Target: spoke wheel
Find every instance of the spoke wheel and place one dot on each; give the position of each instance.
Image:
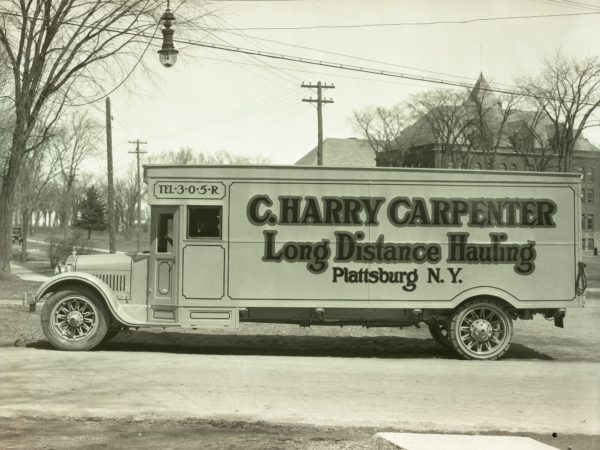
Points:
(480, 329)
(111, 333)
(74, 319)
(440, 331)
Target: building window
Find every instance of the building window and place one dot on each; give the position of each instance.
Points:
(590, 222)
(583, 244)
(477, 166)
(503, 167)
(581, 170)
(590, 244)
(589, 196)
(589, 175)
(513, 167)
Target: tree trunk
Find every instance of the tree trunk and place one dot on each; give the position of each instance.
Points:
(25, 219)
(5, 229)
(89, 233)
(36, 226)
(7, 195)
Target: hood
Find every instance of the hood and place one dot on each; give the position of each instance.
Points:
(115, 262)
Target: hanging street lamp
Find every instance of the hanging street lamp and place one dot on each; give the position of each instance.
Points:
(168, 53)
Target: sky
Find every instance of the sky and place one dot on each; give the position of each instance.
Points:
(215, 100)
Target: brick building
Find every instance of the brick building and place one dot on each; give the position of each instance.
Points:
(418, 148)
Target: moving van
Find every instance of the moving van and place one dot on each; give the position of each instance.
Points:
(464, 252)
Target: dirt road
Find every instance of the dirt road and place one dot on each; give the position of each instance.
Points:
(533, 396)
(328, 388)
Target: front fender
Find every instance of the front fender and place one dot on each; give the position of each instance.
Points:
(102, 289)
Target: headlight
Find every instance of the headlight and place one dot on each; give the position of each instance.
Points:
(62, 268)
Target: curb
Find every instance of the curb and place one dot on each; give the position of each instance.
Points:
(425, 441)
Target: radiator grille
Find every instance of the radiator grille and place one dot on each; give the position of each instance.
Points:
(115, 282)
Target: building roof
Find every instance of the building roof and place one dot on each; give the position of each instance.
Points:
(342, 152)
(480, 89)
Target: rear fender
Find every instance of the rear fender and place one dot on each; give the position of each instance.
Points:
(74, 279)
(486, 291)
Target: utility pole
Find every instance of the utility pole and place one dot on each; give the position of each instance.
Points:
(112, 246)
(137, 152)
(319, 101)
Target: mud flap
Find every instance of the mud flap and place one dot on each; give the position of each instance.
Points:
(559, 320)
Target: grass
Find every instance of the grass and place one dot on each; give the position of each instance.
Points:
(98, 239)
(37, 255)
(13, 287)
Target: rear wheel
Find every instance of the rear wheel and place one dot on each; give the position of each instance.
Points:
(480, 329)
(75, 319)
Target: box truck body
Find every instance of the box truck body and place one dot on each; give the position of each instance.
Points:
(464, 251)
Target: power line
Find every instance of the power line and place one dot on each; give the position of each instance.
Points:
(275, 71)
(368, 70)
(333, 65)
(345, 55)
(574, 4)
(405, 24)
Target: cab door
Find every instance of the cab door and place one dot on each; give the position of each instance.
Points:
(162, 279)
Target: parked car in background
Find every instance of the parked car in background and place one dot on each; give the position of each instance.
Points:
(17, 235)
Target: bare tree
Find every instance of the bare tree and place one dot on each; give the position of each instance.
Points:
(442, 119)
(39, 169)
(382, 128)
(568, 91)
(52, 47)
(529, 138)
(77, 140)
(187, 155)
(488, 117)
(126, 199)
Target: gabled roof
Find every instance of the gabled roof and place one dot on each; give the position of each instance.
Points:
(342, 152)
(480, 89)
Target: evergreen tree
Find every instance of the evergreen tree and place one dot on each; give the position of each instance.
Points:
(91, 212)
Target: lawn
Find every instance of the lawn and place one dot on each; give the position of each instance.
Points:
(98, 240)
(13, 288)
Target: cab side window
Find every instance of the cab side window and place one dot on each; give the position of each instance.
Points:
(164, 232)
(204, 221)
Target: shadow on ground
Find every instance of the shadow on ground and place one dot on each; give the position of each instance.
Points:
(314, 346)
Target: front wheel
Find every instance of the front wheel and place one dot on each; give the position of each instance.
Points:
(75, 319)
(480, 329)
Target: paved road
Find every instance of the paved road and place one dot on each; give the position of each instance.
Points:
(412, 394)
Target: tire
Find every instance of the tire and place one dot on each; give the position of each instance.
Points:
(75, 319)
(111, 333)
(439, 332)
(480, 329)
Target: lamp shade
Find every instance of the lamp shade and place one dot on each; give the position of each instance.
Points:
(168, 57)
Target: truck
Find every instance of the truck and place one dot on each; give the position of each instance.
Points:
(464, 252)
